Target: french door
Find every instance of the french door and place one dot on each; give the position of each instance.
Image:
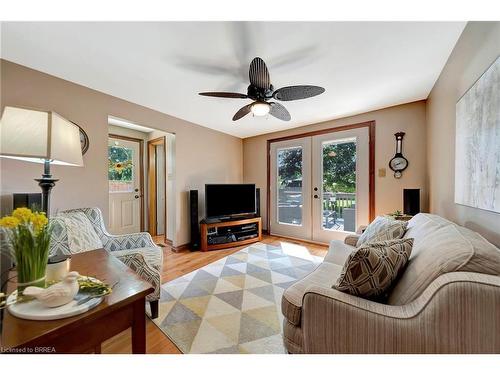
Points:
(320, 185)
(291, 188)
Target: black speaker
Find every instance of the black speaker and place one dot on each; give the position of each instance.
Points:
(411, 201)
(194, 220)
(29, 200)
(257, 202)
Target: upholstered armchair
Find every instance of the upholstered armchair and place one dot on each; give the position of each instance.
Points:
(137, 250)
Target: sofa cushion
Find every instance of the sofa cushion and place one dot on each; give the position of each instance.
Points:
(422, 224)
(371, 269)
(338, 252)
(382, 229)
(446, 248)
(291, 303)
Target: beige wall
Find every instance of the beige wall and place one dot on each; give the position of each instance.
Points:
(202, 155)
(476, 49)
(409, 118)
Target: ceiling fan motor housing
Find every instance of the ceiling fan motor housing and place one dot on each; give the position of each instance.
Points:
(260, 94)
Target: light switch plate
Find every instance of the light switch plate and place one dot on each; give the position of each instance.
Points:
(381, 172)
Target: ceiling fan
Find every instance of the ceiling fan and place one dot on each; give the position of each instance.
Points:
(261, 91)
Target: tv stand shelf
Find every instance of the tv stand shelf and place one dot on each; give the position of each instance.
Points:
(230, 233)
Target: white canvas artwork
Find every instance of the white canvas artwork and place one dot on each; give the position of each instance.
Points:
(477, 145)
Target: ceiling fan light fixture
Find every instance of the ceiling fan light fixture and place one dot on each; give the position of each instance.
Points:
(260, 108)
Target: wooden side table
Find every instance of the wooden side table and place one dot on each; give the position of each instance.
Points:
(124, 308)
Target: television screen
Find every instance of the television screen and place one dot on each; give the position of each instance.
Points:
(229, 199)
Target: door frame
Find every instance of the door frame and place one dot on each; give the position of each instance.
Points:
(371, 162)
(141, 170)
(152, 196)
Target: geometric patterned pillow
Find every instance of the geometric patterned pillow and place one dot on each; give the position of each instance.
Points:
(370, 270)
(81, 234)
(382, 228)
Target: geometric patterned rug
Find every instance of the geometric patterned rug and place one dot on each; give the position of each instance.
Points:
(234, 304)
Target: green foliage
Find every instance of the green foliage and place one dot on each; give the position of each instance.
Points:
(290, 167)
(339, 167)
(120, 167)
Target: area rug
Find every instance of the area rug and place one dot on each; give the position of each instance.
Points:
(234, 304)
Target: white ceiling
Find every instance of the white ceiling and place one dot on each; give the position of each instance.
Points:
(163, 65)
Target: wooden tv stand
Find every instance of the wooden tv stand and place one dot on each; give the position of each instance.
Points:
(249, 230)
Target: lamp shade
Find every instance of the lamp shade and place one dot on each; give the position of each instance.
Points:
(35, 135)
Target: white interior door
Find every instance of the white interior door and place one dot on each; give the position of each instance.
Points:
(124, 186)
(291, 188)
(340, 183)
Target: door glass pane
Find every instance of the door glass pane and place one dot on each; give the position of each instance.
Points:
(120, 169)
(289, 185)
(339, 185)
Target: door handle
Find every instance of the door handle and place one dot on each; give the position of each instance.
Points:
(136, 190)
(315, 189)
(136, 197)
(316, 196)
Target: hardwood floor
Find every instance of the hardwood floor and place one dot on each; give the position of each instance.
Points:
(174, 266)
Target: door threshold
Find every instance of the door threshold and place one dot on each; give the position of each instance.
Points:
(300, 239)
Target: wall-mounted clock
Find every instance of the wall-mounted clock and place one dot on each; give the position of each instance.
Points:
(84, 139)
(398, 163)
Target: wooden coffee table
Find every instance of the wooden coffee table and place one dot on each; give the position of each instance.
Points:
(123, 308)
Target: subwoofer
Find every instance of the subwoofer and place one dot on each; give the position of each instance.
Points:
(411, 201)
(194, 220)
(257, 202)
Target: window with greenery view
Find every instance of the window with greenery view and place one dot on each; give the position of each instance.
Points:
(339, 167)
(120, 169)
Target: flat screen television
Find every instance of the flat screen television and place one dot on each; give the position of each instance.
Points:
(227, 200)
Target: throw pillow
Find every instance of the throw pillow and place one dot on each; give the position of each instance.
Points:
(382, 229)
(81, 233)
(370, 270)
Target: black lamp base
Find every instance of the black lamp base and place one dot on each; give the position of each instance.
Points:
(46, 183)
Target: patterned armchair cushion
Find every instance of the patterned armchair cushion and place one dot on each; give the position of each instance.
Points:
(146, 262)
(81, 234)
(115, 242)
(59, 239)
(137, 250)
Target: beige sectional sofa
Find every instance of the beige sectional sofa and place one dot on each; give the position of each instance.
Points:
(446, 301)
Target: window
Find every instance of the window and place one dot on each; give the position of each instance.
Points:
(120, 169)
(290, 186)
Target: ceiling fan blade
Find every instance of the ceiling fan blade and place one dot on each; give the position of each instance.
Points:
(233, 95)
(242, 112)
(258, 74)
(279, 111)
(297, 92)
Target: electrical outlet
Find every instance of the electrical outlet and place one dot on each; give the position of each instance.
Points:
(381, 172)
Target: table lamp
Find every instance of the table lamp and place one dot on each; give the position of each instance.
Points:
(40, 137)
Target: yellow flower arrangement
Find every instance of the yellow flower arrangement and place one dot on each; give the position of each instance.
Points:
(39, 221)
(9, 222)
(27, 236)
(23, 214)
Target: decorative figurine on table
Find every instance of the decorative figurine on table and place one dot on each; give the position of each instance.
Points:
(58, 294)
